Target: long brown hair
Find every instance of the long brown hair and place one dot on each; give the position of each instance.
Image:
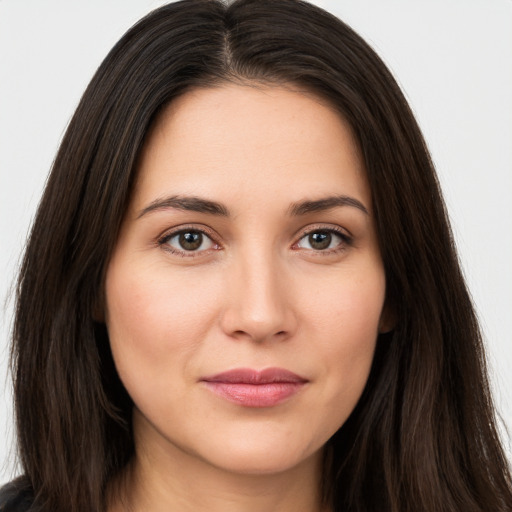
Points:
(423, 435)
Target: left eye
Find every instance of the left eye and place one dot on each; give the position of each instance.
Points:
(189, 241)
(321, 240)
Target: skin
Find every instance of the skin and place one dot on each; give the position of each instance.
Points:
(256, 294)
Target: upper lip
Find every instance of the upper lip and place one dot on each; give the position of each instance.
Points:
(251, 376)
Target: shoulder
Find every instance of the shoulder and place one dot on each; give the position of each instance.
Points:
(16, 496)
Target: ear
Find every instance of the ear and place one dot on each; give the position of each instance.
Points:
(388, 318)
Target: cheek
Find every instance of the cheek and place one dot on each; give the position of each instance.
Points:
(347, 308)
(155, 324)
(346, 322)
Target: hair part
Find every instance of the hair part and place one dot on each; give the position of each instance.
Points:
(423, 435)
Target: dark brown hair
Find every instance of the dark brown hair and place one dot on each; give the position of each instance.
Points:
(423, 435)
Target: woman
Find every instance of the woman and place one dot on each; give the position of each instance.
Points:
(240, 289)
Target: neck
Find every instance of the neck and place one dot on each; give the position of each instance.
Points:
(179, 482)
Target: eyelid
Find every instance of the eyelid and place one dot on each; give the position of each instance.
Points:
(344, 234)
(176, 230)
(334, 228)
(161, 239)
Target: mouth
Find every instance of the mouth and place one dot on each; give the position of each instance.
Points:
(255, 388)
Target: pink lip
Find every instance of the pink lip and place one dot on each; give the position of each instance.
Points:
(253, 388)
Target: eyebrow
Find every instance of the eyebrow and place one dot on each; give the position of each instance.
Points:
(327, 203)
(200, 205)
(187, 203)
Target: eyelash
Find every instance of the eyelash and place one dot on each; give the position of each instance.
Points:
(346, 241)
(164, 242)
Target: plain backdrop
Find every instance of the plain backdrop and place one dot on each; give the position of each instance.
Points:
(453, 59)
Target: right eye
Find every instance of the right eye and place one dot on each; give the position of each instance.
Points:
(187, 242)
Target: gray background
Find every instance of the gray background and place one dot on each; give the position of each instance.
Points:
(453, 59)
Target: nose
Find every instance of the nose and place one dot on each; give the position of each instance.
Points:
(258, 303)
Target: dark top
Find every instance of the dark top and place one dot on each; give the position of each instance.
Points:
(16, 496)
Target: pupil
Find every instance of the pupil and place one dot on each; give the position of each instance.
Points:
(320, 240)
(191, 240)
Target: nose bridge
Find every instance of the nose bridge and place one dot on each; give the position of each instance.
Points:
(257, 305)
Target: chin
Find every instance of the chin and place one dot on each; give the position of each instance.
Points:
(250, 457)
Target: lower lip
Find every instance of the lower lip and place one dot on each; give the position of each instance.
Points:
(255, 395)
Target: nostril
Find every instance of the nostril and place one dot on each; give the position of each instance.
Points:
(258, 336)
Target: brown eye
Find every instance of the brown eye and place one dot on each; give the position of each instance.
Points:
(188, 241)
(191, 240)
(320, 240)
(323, 239)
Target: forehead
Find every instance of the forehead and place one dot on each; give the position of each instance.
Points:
(250, 141)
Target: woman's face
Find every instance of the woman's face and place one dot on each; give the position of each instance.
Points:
(246, 290)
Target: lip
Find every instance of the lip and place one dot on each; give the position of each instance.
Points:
(255, 388)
